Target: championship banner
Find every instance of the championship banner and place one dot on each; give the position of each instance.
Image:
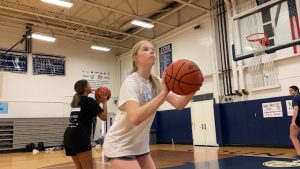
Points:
(165, 57)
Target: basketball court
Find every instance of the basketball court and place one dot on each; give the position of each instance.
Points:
(169, 157)
(247, 50)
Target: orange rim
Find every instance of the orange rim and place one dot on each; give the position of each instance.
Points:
(263, 41)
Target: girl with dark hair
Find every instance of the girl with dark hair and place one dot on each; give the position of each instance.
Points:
(295, 124)
(78, 133)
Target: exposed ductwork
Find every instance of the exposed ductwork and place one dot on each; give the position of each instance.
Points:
(103, 22)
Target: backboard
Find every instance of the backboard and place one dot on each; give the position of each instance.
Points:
(277, 19)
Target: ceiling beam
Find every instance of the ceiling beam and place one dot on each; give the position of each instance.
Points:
(125, 13)
(70, 21)
(54, 28)
(72, 38)
(192, 5)
(107, 16)
(161, 17)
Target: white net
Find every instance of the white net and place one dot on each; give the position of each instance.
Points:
(259, 20)
(262, 69)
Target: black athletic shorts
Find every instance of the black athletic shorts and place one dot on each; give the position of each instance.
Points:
(76, 144)
(130, 157)
(297, 121)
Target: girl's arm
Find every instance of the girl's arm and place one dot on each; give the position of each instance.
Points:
(295, 114)
(137, 114)
(103, 115)
(179, 102)
(103, 99)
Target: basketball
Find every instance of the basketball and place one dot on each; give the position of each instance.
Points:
(102, 89)
(183, 77)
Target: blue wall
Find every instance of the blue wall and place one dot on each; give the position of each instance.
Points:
(242, 123)
(237, 123)
(174, 124)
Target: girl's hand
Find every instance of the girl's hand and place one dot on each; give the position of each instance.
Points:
(293, 124)
(164, 89)
(102, 97)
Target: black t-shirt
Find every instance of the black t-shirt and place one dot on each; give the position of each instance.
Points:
(81, 118)
(296, 102)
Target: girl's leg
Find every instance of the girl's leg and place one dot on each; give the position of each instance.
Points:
(85, 159)
(146, 162)
(124, 164)
(294, 131)
(77, 163)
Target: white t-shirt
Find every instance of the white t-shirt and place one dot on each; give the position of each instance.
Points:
(123, 138)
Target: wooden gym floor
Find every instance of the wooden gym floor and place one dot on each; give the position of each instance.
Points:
(168, 157)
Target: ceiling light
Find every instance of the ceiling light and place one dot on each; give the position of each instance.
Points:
(100, 48)
(142, 24)
(43, 37)
(59, 3)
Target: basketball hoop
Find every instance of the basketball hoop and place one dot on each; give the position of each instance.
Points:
(261, 66)
(262, 38)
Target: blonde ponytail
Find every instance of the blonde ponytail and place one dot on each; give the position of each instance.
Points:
(156, 86)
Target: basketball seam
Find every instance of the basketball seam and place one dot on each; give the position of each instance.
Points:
(188, 73)
(182, 81)
(171, 73)
(177, 74)
(180, 88)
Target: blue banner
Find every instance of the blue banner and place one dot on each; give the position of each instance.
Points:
(165, 57)
(3, 107)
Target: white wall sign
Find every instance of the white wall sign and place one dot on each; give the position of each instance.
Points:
(289, 107)
(272, 109)
(96, 78)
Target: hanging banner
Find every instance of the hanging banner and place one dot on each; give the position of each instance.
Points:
(272, 109)
(3, 107)
(13, 61)
(48, 65)
(165, 57)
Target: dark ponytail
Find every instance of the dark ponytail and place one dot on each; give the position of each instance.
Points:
(295, 88)
(79, 88)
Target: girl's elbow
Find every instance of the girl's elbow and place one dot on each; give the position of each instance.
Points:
(104, 118)
(180, 108)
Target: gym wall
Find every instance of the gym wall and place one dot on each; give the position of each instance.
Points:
(32, 96)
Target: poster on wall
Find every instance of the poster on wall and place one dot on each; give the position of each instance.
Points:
(48, 65)
(13, 61)
(165, 57)
(3, 107)
(272, 109)
(289, 107)
(97, 78)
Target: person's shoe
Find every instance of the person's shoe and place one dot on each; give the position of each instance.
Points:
(93, 143)
(297, 159)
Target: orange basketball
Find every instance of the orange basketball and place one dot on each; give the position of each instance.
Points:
(102, 89)
(183, 77)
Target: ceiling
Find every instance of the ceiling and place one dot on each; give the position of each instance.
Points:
(103, 22)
